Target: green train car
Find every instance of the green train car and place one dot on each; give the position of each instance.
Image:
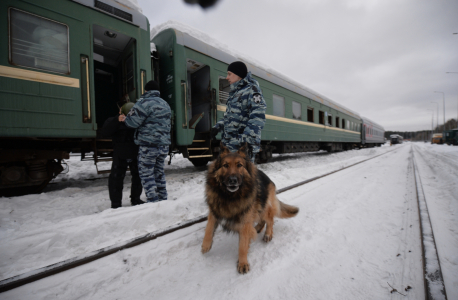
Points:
(63, 67)
(192, 76)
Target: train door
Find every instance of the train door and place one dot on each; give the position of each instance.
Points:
(200, 97)
(199, 90)
(114, 71)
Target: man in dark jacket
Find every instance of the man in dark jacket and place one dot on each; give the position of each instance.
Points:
(125, 154)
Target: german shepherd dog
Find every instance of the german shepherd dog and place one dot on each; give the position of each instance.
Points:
(238, 196)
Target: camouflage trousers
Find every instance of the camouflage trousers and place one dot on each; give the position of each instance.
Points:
(151, 169)
(235, 146)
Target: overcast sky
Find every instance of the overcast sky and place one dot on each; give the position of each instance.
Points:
(381, 58)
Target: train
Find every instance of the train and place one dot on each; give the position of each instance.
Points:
(396, 139)
(63, 68)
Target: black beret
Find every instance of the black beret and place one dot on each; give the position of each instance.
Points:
(152, 86)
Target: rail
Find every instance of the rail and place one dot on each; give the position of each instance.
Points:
(28, 277)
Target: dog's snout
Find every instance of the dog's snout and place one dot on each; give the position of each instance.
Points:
(232, 180)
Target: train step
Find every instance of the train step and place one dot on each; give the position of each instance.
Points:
(197, 156)
(198, 148)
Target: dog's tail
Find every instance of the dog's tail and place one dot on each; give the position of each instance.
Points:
(287, 211)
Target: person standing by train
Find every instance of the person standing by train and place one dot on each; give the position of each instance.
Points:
(245, 111)
(151, 116)
(125, 153)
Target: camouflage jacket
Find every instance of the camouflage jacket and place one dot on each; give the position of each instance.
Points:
(151, 116)
(245, 115)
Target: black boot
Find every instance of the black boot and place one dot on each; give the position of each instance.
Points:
(137, 202)
(116, 205)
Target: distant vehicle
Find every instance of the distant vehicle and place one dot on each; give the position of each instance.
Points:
(437, 139)
(396, 139)
(451, 137)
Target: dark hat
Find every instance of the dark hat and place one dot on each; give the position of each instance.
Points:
(126, 108)
(152, 86)
(238, 68)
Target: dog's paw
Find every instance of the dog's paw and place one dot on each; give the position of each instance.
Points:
(243, 268)
(267, 238)
(206, 248)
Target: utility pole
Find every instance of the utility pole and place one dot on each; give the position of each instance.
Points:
(432, 121)
(437, 119)
(443, 96)
(457, 101)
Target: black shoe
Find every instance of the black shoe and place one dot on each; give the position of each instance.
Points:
(116, 205)
(137, 202)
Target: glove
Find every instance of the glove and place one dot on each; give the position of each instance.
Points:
(213, 133)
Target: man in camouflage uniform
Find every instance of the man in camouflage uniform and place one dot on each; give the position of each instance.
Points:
(245, 112)
(151, 116)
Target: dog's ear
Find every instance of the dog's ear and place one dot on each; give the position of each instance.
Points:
(243, 151)
(223, 149)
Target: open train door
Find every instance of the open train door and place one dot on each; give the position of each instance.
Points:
(199, 93)
(113, 72)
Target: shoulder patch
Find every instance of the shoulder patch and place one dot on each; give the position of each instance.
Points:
(131, 112)
(257, 98)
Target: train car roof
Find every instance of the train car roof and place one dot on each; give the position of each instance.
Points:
(366, 120)
(126, 10)
(196, 40)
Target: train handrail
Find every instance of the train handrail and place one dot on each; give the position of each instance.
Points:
(185, 105)
(86, 61)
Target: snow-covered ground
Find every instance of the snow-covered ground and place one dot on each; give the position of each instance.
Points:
(356, 233)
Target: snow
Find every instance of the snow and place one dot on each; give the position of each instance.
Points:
(210, 41)
(356, 236)
(132, 4)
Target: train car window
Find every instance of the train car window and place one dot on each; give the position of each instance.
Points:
(224, 89)
(321, 117)
(38, 43)
(330, 120)
(297, 110)
(343, 123)
(129, 74)
(348, 124)
(337, 122)
(310, 114)
(279, 106)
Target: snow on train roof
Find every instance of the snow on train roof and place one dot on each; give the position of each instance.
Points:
(199, 41)
(366, 120)
(129, 6)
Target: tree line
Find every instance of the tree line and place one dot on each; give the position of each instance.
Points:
(423, 135)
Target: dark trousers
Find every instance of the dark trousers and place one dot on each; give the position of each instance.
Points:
(116, 180)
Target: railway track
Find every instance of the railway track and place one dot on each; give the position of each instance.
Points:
(432, 280)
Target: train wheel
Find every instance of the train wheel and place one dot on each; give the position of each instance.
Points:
(200, 161)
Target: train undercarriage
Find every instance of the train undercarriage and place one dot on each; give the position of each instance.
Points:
(27, 165)
(203, 150)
